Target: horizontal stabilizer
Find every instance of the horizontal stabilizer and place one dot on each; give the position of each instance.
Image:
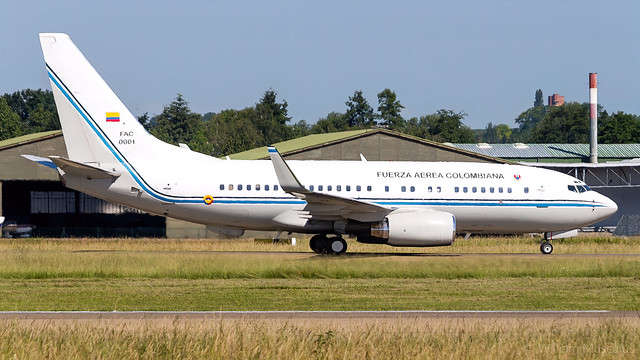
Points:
(42, 161)
(77, 168)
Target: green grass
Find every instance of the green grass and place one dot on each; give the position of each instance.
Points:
(321, 294)
(129, 274)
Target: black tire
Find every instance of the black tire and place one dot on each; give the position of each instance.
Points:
(336, 245)
(317, 243)
(546, 248)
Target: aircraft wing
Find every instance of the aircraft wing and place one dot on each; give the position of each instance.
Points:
(324, 206)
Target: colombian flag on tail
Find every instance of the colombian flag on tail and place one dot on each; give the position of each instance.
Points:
(113, 117)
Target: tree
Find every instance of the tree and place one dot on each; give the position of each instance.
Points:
(145, 121)
(446, 125)
(528, 120)
(300, 129)
(10, 124)
(539, 101)
(333, 122)
(618, 128)
(568, 124)
(359, 112)
(272, 118)
(233, 131)
(36, 109)
(177, 123)
(490, 134)
(389, 109)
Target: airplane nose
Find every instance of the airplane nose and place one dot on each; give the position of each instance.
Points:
(609, 206)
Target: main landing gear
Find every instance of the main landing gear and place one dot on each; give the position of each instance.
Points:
(321, 244)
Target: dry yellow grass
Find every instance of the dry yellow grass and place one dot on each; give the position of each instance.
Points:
(305, 339)
(598, 243)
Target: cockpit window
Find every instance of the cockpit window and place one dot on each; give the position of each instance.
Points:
(579, 188)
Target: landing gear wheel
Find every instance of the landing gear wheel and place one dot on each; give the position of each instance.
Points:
(546, 248)
(336, 245)
(317, 243)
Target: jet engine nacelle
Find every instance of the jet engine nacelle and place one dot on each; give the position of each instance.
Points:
(416, 228)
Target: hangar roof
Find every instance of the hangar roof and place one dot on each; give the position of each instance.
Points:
(25, 139)
(551, 151)
(319, 140)
(297, 144)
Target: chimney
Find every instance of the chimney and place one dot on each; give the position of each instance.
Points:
(593, 117)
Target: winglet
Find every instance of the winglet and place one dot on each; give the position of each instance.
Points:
(286, 178)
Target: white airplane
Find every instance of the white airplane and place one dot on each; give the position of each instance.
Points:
(112, 157)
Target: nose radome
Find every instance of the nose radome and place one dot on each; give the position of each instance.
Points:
(610, 207)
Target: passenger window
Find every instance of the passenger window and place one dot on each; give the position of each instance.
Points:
(257, 187)
(266, 188)
(500, 190)
(368, 187)
(348, 187)
(338, 187)
(230, 186)
(320, 187)
(329, 188)
(413, 188)
(239, 187)
(386, 188)
(275, 187)
(358, 188)
(456, 189)
(311, 187)
(483, 190)
(474, 189)
(429, 189)
(509, 190)
(248, 187)
(221, 186)
(403, 188)
(464, 189)
(438, 189)
(526, 190)
(491, 189)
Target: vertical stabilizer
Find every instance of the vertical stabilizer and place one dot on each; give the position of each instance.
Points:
(97, 126)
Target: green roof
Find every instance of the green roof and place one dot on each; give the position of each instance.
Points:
(298, 144)
(28, 138)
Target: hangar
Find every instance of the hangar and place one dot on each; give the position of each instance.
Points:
(32, 194)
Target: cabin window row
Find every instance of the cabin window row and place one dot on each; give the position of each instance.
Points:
(256, 187)
(339, 188)
(482, 189)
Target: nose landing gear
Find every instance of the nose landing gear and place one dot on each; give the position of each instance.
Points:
(320, 244)
(546, 248)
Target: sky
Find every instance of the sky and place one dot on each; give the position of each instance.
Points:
(484, 58)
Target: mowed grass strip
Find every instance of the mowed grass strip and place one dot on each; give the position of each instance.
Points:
(607, 339)
(320, 294)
